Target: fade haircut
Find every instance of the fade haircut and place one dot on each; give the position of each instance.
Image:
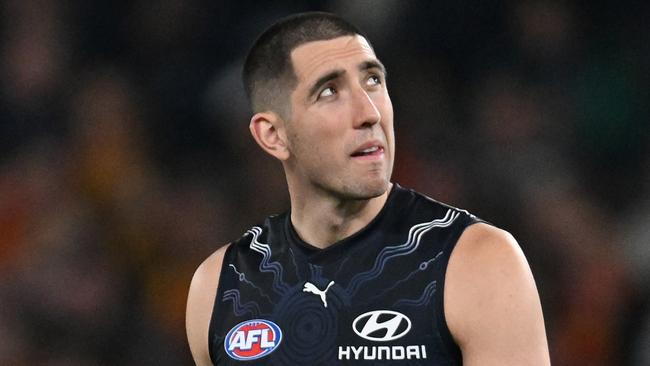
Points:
(269, 77)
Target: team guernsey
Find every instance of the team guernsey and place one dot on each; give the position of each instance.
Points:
(374, 298)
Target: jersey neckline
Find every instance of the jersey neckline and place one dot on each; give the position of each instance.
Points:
(294, 239)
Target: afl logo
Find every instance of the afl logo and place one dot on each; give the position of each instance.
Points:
(381, 325)
(252, 339)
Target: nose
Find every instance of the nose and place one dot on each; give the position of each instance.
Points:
(366, 113)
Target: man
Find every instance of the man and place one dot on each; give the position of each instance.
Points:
(361, 270)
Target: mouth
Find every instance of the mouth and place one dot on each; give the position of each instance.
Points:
(369, 150)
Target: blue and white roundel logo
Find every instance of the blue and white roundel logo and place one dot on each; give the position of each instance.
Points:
(252, 339)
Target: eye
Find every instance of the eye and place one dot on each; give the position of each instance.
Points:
(373, 80)
(327, 92)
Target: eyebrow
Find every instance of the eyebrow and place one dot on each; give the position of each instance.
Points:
(335, 74)
(373, 64)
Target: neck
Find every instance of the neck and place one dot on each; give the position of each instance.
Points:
(323, 220)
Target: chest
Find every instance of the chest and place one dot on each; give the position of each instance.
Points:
(375, 305)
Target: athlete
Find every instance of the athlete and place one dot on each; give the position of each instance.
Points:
(360, 271)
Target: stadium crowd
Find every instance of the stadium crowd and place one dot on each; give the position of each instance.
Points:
(125, 159)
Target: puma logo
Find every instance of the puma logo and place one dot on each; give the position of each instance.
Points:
(310, 287)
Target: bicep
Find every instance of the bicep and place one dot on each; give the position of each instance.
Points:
(491, 301)
(200, 303)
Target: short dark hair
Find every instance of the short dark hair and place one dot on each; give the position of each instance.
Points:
(268, 73)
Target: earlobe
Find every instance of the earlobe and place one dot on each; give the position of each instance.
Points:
(266, 128)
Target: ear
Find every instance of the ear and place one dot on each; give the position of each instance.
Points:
(267, 130)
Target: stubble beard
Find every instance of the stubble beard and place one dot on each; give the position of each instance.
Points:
(348, 186)
(352, 189)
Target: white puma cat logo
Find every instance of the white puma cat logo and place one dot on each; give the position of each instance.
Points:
(310, 287)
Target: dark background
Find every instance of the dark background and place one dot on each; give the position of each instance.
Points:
(125, 159)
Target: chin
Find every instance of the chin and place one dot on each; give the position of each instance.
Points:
(368, 190)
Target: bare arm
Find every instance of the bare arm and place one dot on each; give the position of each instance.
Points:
(200, 302)
(491, 302)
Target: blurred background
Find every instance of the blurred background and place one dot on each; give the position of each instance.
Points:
(125, 159)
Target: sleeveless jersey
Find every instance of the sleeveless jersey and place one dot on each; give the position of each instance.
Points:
(374, 298)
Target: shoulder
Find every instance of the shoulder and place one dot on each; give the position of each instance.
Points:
(488, 244)
(491, 302)
(200, 302)
(419, 203)
(207, 274)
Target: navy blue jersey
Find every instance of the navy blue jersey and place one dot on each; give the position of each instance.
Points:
(374, 298)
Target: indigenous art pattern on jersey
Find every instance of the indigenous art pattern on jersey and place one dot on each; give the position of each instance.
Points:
(373, 297)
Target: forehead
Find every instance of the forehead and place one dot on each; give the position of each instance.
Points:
(312, 58)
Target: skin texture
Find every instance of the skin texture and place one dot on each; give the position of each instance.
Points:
(200, 302)
(491, 302)
(327, 125)
(339, 107)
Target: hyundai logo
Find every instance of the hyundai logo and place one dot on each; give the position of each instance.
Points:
(381, 325)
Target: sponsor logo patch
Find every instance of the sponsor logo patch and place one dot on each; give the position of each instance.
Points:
(381, 325)
(252, 339)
